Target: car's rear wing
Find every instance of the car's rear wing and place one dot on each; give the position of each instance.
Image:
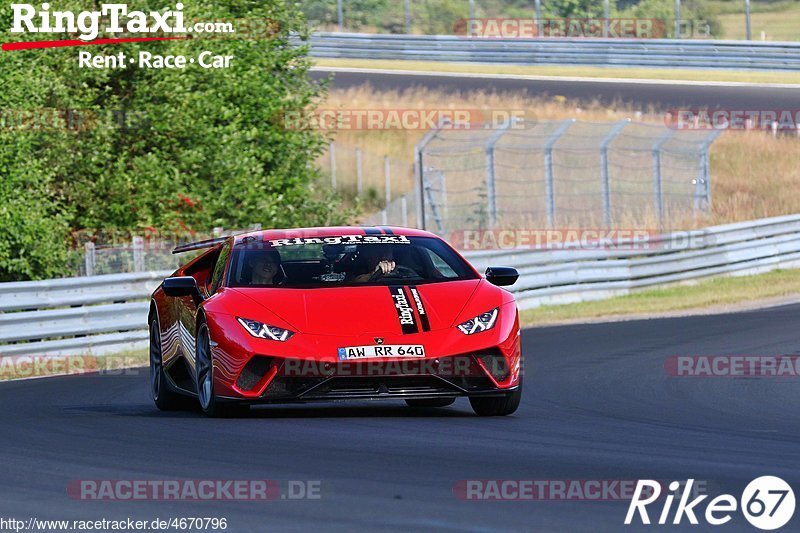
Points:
(199, 245)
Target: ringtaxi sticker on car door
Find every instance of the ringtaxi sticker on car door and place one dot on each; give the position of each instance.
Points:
(350, 353)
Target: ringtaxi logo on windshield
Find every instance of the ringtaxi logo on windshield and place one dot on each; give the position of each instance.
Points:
(767, 503)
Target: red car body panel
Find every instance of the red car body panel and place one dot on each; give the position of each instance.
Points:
(326, 319)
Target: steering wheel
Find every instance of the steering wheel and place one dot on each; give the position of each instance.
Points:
(399, 271)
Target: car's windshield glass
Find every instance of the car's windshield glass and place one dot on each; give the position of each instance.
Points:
(345, 260)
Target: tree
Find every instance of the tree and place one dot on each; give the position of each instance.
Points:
(163, 148)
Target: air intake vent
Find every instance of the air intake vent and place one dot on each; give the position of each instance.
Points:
(495, 364)
(253, 372)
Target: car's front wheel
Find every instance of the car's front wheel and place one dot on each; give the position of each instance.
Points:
(498, 405)
(209, 403)
(164, 397)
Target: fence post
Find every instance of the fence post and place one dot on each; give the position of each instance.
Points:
(658, 193)
(549, 186)
(407, 9)
(359, 172)
(615, 130)
(702, 189)
(471, 17)
(491, 178)
(403, 211)
(332, 152)
(606, 18)
(748, 35)
(387, 178)
(677, 20)
(538, 13)
(89, 258)
(138, 254)
(419, 171)
(340, 14)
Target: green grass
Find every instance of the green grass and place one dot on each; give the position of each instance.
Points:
(700, 296)
(571, 71)
(19, 367)
(778, 24)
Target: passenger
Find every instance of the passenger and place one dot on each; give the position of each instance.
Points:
(266, 268)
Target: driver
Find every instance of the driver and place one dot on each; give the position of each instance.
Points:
(375, 260)
(266, 268)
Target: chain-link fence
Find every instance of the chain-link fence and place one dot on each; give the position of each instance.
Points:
(137, 253)
(556, 174)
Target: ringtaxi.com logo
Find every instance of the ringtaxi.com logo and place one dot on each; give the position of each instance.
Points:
(767, 503)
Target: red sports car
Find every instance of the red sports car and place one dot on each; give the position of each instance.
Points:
(325, 314)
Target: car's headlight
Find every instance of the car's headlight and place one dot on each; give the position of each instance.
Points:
(265, 331)
(482, 322)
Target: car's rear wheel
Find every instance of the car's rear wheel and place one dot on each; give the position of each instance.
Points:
(431, 402)
(209, 403)
(498, 405)
(164, 397)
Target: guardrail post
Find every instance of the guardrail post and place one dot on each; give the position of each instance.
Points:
(332, 152)
(549, 186)
(615, 130)
(658, 194)
(89, 258)
(491, 180)
(419, 171)
(138, 254)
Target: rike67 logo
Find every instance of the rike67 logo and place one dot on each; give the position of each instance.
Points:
(767, 503)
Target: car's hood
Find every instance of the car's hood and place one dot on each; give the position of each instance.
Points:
(358, 310)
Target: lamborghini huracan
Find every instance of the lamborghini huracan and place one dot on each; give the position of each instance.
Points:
(329, 314)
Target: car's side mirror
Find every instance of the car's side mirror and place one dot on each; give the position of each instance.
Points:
(502, 276)
(180, 286)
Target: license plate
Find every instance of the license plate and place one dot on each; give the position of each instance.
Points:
(350, 353)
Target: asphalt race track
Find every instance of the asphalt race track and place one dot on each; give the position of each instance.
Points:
(598, 405)
(661, 97)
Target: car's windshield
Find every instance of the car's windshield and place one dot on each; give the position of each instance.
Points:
(345, 260)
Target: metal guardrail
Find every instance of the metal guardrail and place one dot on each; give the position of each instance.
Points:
(104, 314)
(557, 277)
(707, 54)
(91, 314)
